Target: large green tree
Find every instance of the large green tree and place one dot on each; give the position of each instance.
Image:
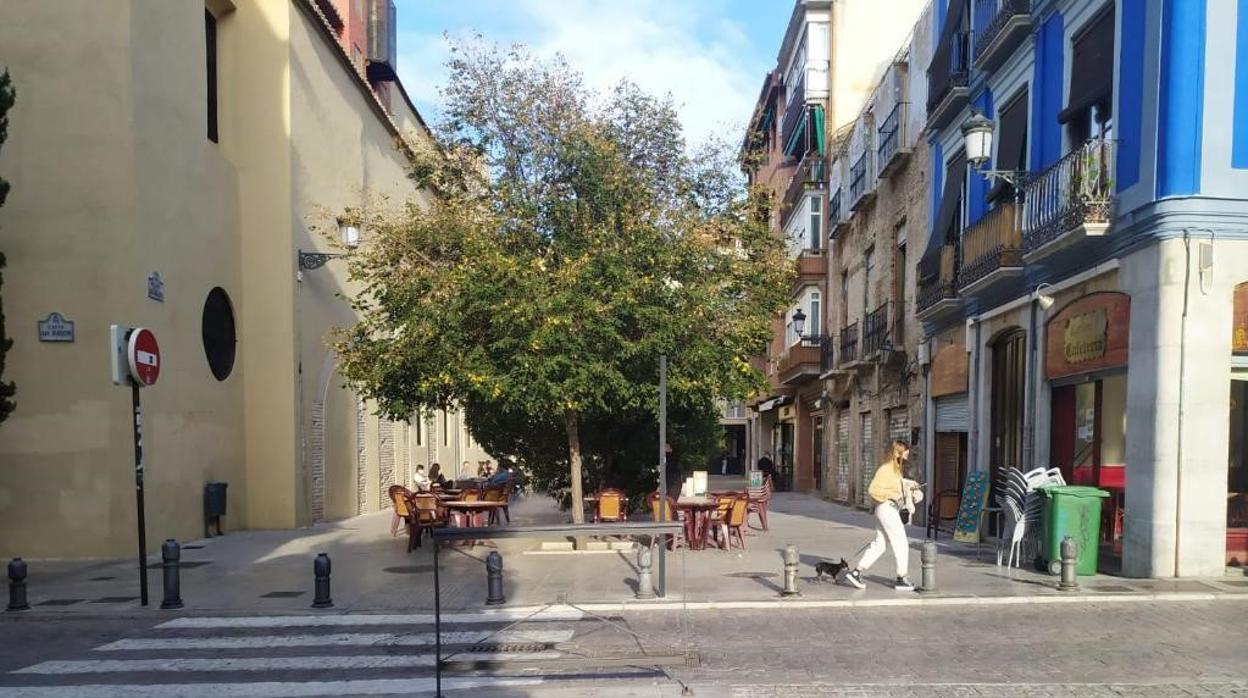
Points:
(7, 389)
(573, 240)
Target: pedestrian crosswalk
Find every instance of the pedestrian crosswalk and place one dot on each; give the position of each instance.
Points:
(297, 656)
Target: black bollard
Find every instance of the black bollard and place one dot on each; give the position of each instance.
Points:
(494, 579)
(321, 567)
(927, 554)
(171, 559)
(17, 586)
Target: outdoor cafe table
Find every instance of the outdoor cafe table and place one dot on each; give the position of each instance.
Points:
(697, 513)
(474, 512)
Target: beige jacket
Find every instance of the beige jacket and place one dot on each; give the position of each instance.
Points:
(889, 485)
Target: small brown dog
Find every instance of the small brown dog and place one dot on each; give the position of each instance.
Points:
(830, 570)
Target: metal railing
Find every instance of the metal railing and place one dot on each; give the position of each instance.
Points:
(892, 133)
(849, 343)
(875, 330)
(943, 286)
(992, 243)
(991, 16)
(957, 73)
(858, 178)
(794, 112)
(834, 208)
(826, 354)
(1074, 191)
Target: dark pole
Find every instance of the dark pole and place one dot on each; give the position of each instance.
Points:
(138, 488)
(437, 623)
(663, 469)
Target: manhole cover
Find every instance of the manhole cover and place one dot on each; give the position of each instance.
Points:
(101, 579)
(409, 569)
(59, 602)
(115, 599)
(509, 647)
(282, 594)
(753, 575)
(1113, 589)
(183, 565)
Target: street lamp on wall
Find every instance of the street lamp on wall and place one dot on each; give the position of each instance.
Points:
(977, 137)
(348, 235)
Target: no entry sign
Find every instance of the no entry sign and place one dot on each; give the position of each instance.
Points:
(144, 355)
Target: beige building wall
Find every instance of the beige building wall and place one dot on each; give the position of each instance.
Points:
(114, 178)
(866, 35)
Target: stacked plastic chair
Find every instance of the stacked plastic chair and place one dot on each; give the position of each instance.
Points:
(1022, 505)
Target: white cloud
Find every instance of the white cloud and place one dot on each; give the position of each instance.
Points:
(711, 75)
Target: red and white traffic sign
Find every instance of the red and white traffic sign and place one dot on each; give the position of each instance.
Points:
(144, 355)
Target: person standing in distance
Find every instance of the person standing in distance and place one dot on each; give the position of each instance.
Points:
(893, 493)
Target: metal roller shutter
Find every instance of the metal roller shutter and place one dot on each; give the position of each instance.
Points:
(953, 413)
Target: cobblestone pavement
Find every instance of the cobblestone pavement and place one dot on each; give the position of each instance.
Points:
(1171, 649)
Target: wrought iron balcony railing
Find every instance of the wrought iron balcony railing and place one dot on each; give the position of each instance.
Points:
(892, 134)
(834, 210)
(992, 244)
(858, 179)
(992, 17)
(794, 112)
(810, 174)
(941, 79)
(1075, 192)
(875, 330)
(941, 287)
(849, 343)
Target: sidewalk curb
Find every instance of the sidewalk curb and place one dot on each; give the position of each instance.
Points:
(517, 612)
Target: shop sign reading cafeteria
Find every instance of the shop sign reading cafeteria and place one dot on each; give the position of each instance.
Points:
(1089, 334)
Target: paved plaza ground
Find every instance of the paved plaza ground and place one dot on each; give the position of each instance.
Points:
(248, 630)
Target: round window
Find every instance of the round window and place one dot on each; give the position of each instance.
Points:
(219, 337)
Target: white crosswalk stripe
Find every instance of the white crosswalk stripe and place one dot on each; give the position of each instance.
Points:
(288, 656)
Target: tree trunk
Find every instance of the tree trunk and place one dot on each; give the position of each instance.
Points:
(574, 461)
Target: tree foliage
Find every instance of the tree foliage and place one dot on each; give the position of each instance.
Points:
(573, 240)
(7, 389)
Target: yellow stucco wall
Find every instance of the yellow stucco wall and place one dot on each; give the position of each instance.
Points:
(113, 178)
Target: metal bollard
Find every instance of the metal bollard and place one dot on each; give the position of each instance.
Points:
(791, 559)
(927, 554)
(171, 556)
(1070, 552)
(645, 583)
(17, 586)
(494, 579)
(321, 568)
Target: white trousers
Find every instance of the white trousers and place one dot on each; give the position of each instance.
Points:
(891, 533)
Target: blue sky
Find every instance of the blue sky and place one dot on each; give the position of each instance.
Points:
(711, 55)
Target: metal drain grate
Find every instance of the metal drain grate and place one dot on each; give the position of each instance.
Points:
(282, 594)
(59, 602)
(508, 647)
(192, 547)
(409, 569)
(752, 575)
(101, 579)
(115, 599)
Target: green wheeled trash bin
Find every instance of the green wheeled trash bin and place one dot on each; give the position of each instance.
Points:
(1075, 511)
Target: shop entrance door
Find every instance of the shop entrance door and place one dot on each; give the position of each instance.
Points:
(785, 453)
(1237, 477)
(1008, 375)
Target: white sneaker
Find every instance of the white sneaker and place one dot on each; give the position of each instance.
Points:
(854, 578)
(903, 584)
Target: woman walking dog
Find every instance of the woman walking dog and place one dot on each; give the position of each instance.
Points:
(895, 498)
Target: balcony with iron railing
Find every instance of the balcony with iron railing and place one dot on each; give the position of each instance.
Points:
(849, 344)
(794, 111)
(875, 331)
(1071, 200)
(801, 363)
(861, 183)
(938, 295)
(836, 218)
(1000, 26)
(992, 249)
(810, 174)
(948, 81)
(892, 138)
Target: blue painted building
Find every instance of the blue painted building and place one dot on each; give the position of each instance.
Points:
(1079, 282)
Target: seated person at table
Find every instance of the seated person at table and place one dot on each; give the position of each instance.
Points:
(502, 477)
(435, 475)
(420, 480)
